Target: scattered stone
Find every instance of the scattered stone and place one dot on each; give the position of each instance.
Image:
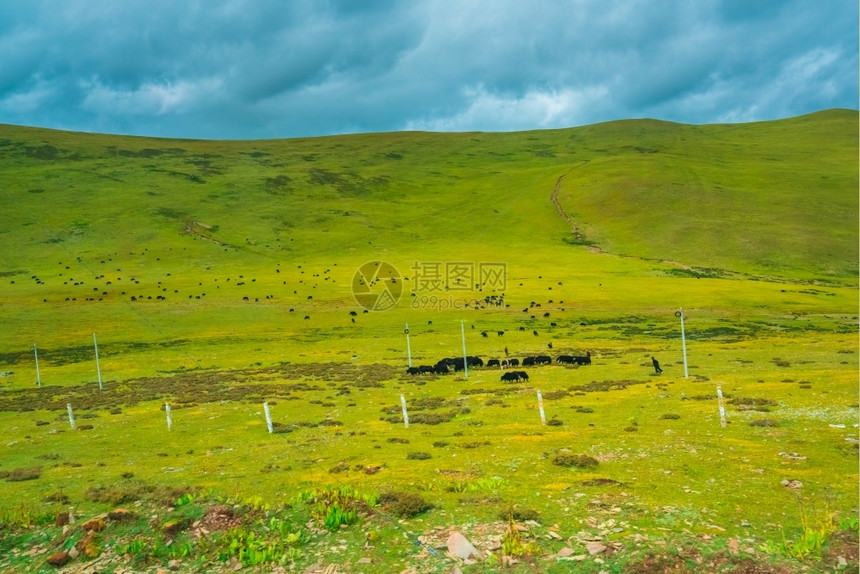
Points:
(88, 545)
(460, 547)
(174, 564)
(59, 559)
(565, 552)
(553, 534)
(793, 484)
(733, 546)
(595, 548)
(364, 560)
(121, 515)
(73, 553)
(96, 524)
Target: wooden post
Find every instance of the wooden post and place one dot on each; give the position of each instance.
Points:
(722, 410)
(540, 406)
(465, 360)
(405, 414)
(38, 375)
(98, 368)
(71, 415)
(268, 418)
(408, 348)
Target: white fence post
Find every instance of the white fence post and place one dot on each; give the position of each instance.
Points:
(540, 406)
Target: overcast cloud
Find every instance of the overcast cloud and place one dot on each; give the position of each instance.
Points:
(238, 69)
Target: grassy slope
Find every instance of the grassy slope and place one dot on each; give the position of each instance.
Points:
(294, 219)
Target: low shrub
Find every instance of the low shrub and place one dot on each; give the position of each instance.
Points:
(404, 504)
(577, 460)
(21, 474)
(764, 423)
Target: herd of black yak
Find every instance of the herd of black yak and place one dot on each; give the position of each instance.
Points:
(445, 366)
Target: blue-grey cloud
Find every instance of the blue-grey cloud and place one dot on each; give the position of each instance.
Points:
(247, 69)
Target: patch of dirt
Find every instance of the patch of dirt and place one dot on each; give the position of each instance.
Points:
(220, 518)
(844, 544)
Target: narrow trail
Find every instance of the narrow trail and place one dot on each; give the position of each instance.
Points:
(574, 228)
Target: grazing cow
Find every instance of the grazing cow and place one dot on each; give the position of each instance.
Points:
(412, 370)
(500, 333)
(564, 359)
(543, 360)
(353, 313)
(484, 334)
(493, 363)
(528, 361)
(475, 361)
(522, 328)
(546, 315)
(425, 369)
(523, 375)
(583, 360)
(511, 363)
(535, 333)
(549, 345)
(510, 376)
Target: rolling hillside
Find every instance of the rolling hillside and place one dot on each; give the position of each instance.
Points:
(775, 197)
(219, 277)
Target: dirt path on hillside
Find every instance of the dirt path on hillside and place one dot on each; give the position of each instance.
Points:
(578, 235)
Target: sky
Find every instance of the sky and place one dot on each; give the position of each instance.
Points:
(249, 69)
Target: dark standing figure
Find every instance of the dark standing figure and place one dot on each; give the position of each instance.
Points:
(657, 368)
(506, 351)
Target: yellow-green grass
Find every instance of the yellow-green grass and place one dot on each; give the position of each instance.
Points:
(768, 287)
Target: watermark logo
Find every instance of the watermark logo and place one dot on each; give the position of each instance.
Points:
(448, 284)
(377, 286)
(468, 276)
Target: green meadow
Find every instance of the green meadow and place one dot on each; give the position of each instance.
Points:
(220, 275)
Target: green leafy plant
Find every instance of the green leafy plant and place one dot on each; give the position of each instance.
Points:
(334, 507)
(186, 498)
(850, 523)
(512, 544)
(135, 547)
(814, 535)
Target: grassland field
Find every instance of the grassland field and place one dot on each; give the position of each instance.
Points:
(219, 275)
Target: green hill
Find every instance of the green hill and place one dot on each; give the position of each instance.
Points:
(148, 240)
(220, 275)
(775, 197)
(780, 196)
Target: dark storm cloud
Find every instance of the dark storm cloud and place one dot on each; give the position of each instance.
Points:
(242, 69)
